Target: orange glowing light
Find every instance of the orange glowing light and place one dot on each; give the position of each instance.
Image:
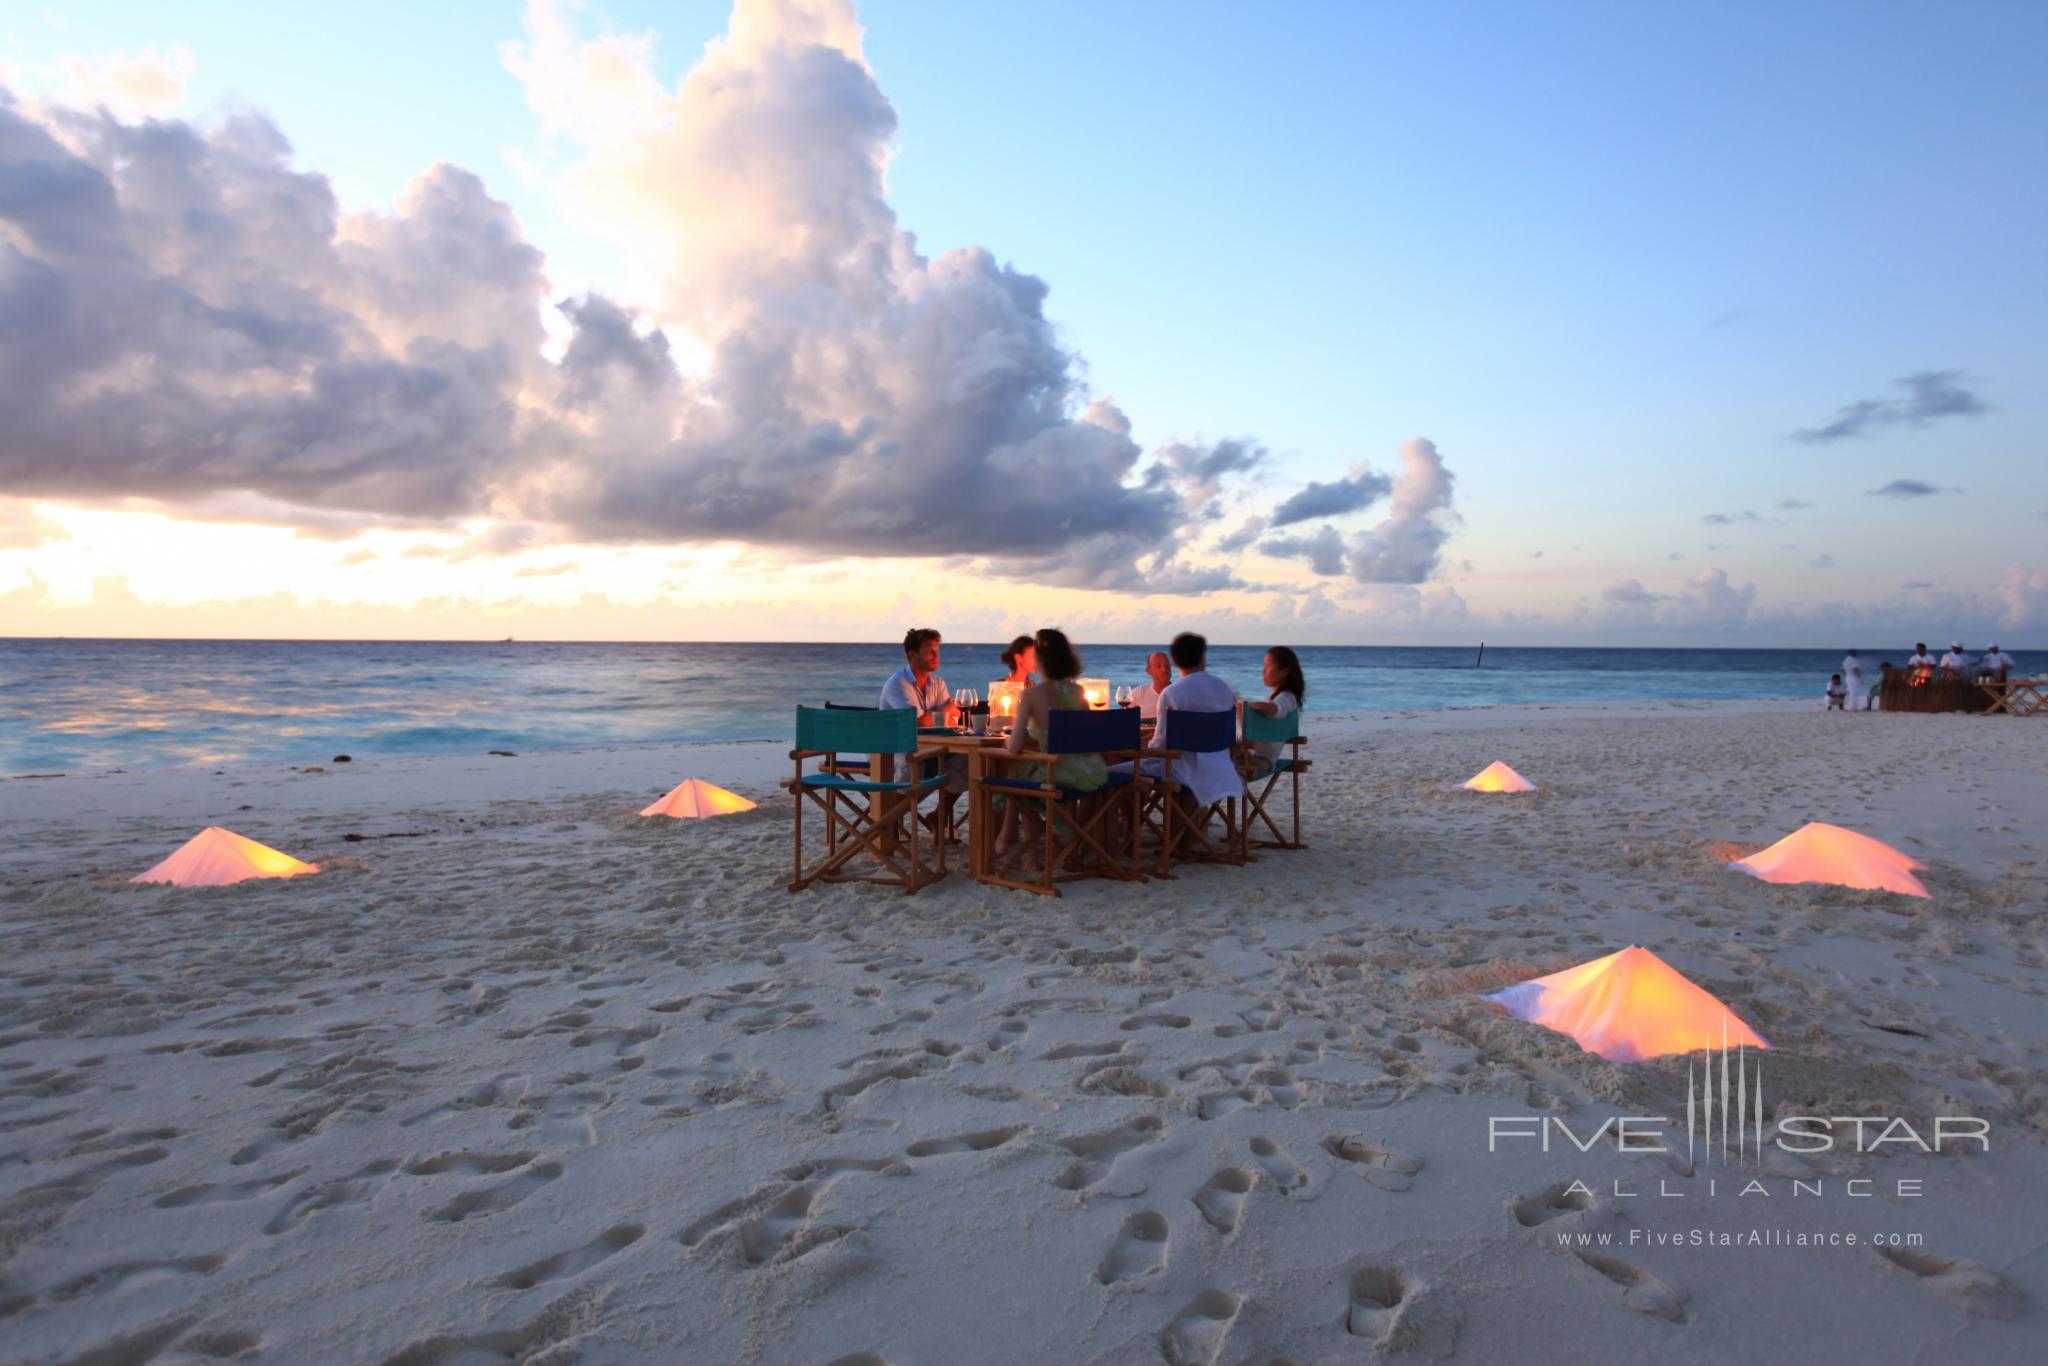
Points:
(1498, 777)
(215, 857)
(1002, 699)
(1628, 1006)
(1819, 852)
(1096, 690)
(693, 798)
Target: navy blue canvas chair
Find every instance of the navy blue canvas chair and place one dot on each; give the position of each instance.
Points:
(1182, 833)
(865, 813)
(1087, 834)
(1261, 784)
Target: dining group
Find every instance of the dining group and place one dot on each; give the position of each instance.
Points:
(1046, 667)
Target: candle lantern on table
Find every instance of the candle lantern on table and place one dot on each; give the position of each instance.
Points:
(1096, 690)
(1002, 704)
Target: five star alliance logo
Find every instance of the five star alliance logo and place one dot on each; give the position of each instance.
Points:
(1718, 1104)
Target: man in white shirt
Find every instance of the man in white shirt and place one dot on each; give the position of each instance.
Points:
(1955, 663)
(1203, 778)
(917, 685)
(1996, 662)
(1921, 664)
(1852, 676)
(1158, 673)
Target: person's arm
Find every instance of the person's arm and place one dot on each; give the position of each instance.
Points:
(897, 694)
(1027, 711)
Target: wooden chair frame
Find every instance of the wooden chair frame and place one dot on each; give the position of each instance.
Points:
(1256, 729)
(1161, 814)
(1086, 851)
(864, 817)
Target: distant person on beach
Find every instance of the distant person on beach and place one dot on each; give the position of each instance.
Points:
(1957, 663)
(1204, 779)
(1875, 700)
(1922, 663)
(1021, 659)
(1837, 694)
(1158, 675)
(1996, 663)
(1282, 673)
(1852, 674)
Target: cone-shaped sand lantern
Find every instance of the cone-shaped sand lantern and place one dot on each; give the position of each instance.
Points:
(1627, 1007)
(1819, 852)
(215, 857)
(1498, 777)
(693, 798)
(1002, 703)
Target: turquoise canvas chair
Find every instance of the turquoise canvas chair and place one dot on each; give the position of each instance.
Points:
(1261, 786)
(865, 812)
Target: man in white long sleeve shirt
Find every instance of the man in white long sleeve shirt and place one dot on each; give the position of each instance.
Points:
(1852, 679)
(1921, 665)
(1956, 663)
(1996, 662)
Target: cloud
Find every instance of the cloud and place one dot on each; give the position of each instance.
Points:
(1730, 518)
(1822, 561)
(1239, 539)
(1930, 396)
(1361, 490)
(1913, 585)
(1910, 488)
(1324, 550)
(1794, 505)
(187, 317)
(132, 86)
(1707, 603)
(23, 528)
(536, 571)
(1404, 548)
(358, 557)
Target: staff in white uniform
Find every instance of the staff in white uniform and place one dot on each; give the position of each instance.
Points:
(1852, 678)
(1996, 662)
(1922, 663)
(1956, 663)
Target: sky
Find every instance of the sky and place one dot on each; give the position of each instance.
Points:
(1572, 324)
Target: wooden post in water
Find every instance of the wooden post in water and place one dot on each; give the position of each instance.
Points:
(1480, 662)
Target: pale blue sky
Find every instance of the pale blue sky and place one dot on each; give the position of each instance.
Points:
(1608, 256)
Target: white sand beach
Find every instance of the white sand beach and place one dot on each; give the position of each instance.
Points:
(521, 1076)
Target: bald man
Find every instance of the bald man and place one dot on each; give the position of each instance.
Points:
(1159, 670)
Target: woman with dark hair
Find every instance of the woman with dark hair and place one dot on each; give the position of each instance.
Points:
(1282, 673)
(1060, 664)
(1021, 659)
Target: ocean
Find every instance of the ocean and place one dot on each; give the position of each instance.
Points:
(92, 705)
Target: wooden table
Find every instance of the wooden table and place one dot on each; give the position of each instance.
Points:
(2017, 696)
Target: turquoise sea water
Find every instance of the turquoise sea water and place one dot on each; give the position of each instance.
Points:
(86, 704)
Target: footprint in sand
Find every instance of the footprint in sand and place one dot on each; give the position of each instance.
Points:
(1378, 1297)
(1217, 1104)
(1221, 1198)
(1008, 1034)
(784, 1230)
(1970, 1286)
(223, 1194)
(1279, 1164)
(1276, 1083)
(1197, 1334)
(1096, 1154)
(470, 1164)
(499, 1198)
(1156, 1022)
(1641, 1291)
(1390, 1171)
(1556, 1201)
(576, 1261)
(357, 1189)
(1139, 1249)
(965, 1143)
(1081, 1050)
(126, 1273)
(1126, 1081)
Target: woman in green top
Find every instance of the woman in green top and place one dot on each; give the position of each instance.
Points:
(1059, 665)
